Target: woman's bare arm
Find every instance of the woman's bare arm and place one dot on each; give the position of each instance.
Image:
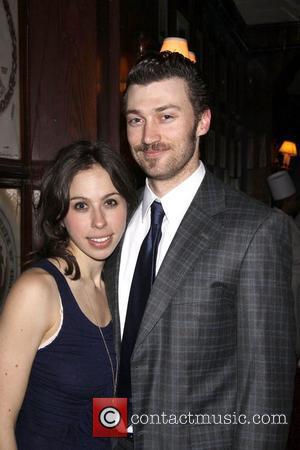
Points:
(29, 315)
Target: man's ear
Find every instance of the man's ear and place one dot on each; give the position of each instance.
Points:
(204, 123)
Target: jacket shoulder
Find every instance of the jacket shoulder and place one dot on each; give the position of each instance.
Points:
(239, 208)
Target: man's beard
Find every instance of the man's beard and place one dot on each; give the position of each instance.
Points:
(176, 164)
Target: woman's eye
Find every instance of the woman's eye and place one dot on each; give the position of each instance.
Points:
(111, 202)
(80, 206)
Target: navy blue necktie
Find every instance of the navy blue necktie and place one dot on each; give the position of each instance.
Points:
(143, 278)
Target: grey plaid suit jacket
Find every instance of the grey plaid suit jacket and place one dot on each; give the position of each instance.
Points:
(217, 336)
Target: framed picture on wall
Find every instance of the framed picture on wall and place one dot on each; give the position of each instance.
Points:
(10, 219)
(9, 81)
(35, 230)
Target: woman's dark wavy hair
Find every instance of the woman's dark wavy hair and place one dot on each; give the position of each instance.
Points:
(158, 66)
(54, 199)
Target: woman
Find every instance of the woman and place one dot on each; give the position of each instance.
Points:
(56, 342)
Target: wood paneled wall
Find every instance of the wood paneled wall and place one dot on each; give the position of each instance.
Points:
(62, 74)
(69, 77)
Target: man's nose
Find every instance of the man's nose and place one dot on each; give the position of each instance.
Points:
(151, 133)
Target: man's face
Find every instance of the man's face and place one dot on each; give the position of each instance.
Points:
(162, 129)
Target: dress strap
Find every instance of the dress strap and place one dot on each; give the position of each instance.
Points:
(61, 282)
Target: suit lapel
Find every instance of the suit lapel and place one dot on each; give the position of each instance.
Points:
(193, 236)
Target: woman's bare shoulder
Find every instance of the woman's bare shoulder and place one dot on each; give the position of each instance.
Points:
(34, 286)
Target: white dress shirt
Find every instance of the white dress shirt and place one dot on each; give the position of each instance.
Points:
(175, 204)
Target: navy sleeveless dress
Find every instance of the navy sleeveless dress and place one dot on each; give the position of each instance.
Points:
(66, 374)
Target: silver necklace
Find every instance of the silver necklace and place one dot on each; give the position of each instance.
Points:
(113, 372)
(114, 375)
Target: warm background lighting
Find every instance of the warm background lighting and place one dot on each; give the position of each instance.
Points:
(179, 45)
(288, 149)
(192, 56)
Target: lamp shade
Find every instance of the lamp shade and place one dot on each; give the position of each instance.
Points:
(288, 149)
(281, 185)
(192, 56)
(175, 44)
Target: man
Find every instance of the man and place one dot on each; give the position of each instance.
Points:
(214, 349)
(287, 201)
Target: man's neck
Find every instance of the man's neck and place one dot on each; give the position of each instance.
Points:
(162, 187)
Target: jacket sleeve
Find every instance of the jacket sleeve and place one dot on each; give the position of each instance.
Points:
(266, 339)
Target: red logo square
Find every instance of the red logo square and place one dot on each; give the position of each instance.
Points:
(109, 417)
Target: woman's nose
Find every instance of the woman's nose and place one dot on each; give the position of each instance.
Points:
(99, 219)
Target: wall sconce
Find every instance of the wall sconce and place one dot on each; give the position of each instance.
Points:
(179, 45)
(288, 149)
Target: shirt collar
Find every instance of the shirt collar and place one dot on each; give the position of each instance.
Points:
(178, 198)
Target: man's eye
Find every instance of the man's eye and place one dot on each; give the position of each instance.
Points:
(80, 206)
(167, 117)
(134, 121)
(111, 202)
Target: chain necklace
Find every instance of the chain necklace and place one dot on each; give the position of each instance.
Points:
(114, 375)
(113, 372)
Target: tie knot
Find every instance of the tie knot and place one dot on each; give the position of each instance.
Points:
(157, 214)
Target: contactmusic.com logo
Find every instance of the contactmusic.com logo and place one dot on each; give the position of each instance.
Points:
(109, 417)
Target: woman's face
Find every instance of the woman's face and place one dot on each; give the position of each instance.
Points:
(97, 214)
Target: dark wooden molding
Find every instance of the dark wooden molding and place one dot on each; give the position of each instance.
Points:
(109, 71)
(11, 169)
(26, 223)
(24, 88)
